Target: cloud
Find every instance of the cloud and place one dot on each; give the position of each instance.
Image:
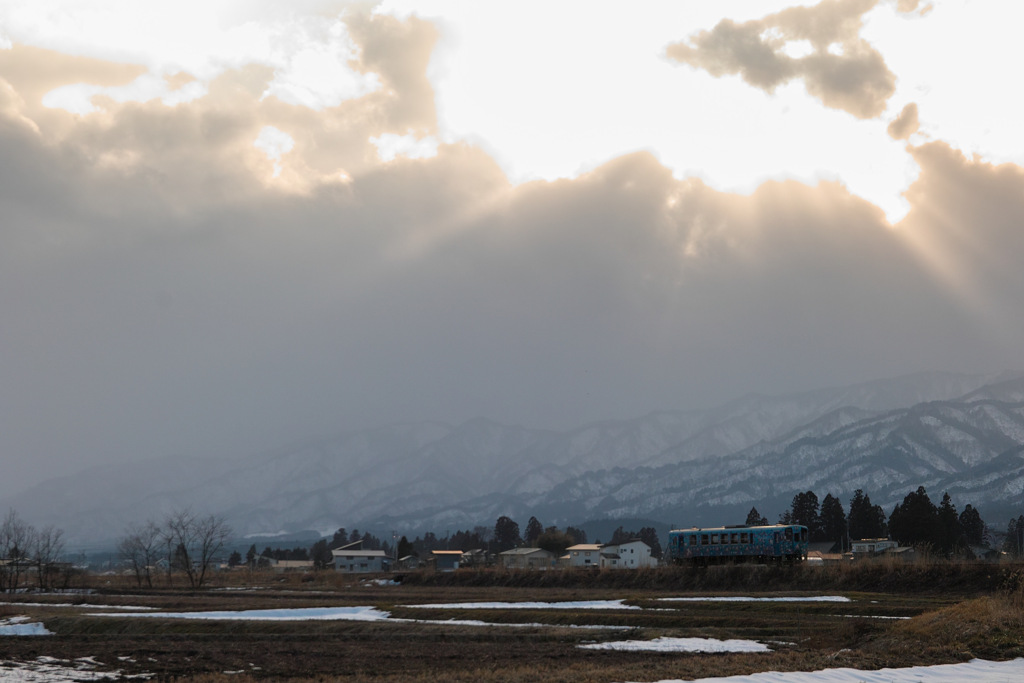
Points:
(843, 71)
(914, 6)
(964, 225)
(906, 124)
(157, 138)
(164, 294)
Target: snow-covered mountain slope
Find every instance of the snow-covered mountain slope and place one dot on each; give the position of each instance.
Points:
(434, 476)
(972, 449)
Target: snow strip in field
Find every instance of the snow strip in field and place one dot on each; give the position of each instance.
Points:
(49, 669)
(330, 613)
(83, 605)
(20, 626)
(741, 598)
(299, 614)
(976, 671)
(666, 644)
(579, 604)
(476, 622)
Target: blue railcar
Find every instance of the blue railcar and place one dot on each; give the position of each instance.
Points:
(774, 543)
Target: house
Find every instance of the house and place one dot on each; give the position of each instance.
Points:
(352, 558)
(445, 560)
(527, 558)
(288, 566)
(872, 546)
(409, 562)
(816, 557)
(584, 555)
(633, 554)
(476, 558)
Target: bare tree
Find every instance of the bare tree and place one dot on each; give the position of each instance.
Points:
(15, 538)
(195, 542)
(140, 547)
(47, 546)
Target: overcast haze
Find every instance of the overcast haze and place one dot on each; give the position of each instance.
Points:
(227, 227)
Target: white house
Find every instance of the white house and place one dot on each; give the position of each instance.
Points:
(633, 554)
(584, 555)
(352, 558)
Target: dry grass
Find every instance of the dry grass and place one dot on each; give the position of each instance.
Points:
(959, 611)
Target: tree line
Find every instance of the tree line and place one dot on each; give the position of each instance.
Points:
(916, 521)
(182, 542)
(29, 552)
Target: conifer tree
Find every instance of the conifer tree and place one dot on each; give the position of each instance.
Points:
(649, 535)
(754, 518)
(804, 510)
(506, 534)
(973, 526)
(915, 520)
(833, 521)
(866, 520)
(949, 534)
(533, 530)
(1014, 543)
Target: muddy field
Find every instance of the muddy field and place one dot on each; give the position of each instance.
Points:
(399, 640)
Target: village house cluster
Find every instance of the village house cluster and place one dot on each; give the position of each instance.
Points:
(352, 558)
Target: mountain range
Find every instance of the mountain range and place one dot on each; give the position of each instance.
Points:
(961, 433)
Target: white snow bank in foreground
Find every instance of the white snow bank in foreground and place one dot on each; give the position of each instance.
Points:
(976, 671)
(741, 598)
(300, 614)
(579, 604)
(20, 626)
(666, 644)
(49, 669)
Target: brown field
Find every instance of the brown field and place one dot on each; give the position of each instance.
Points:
(957, 612)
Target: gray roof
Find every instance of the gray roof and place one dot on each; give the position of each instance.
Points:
(525, 551)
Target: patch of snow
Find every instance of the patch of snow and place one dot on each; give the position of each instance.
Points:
(17, 626)
(333, 614)
(578, 604)
(83, 605)
(48, 669)
(477, 622)
(381, 582)
(741, 598)
(976, 671)
(666, 644)
(298, 614)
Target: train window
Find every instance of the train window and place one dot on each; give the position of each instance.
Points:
(735, 538)
(789, 533)
(744, 537)
(703, 539)
(777, 536)
(714, 539)
(693, 540)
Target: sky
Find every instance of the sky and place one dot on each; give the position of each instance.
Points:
(227, 226)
